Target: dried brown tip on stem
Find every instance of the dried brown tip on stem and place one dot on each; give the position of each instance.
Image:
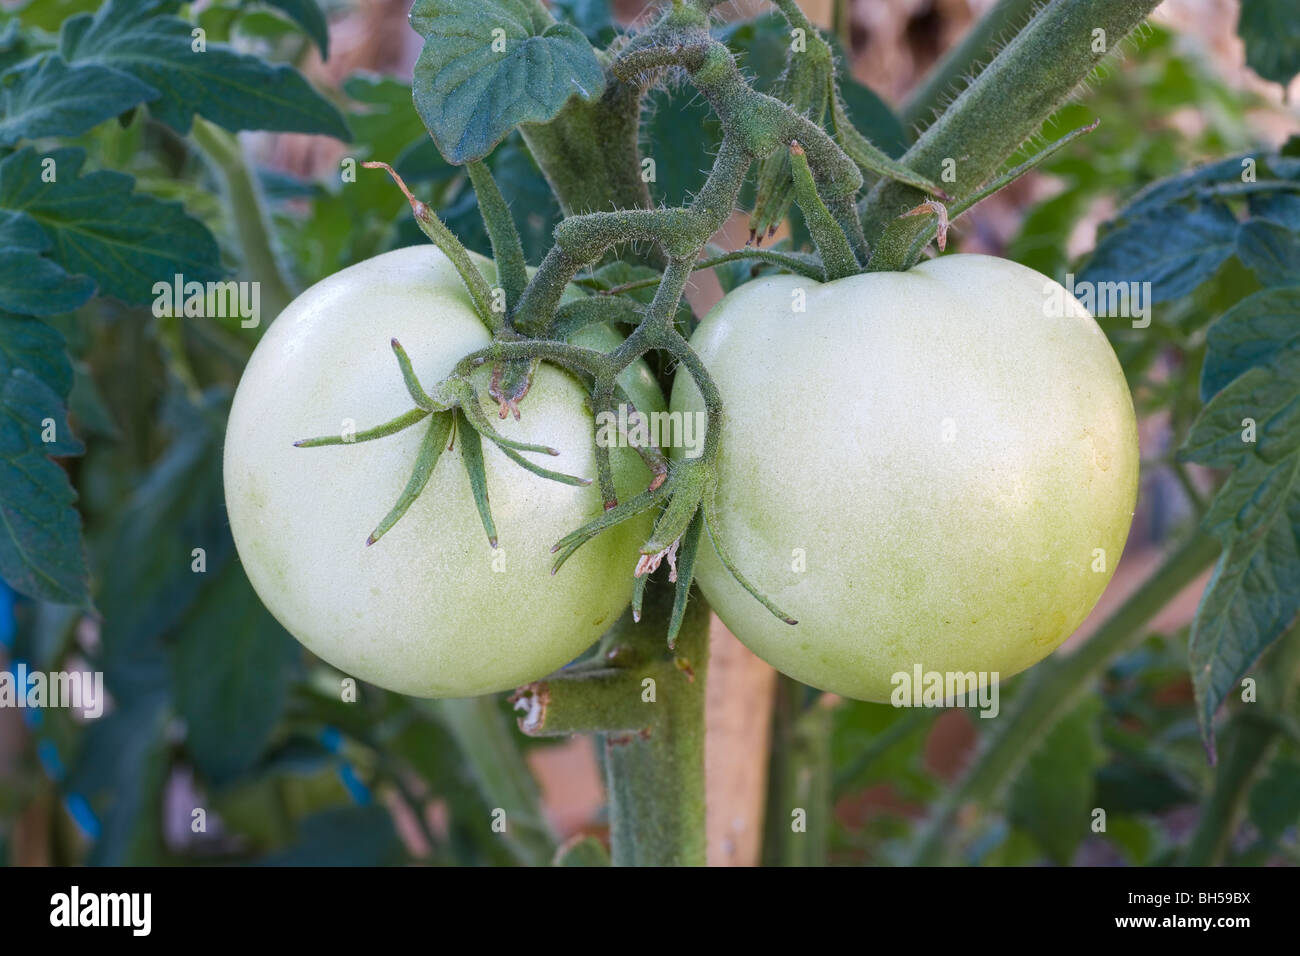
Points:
(401, 183)
(795, 148)
(940, 211)
(533, 700)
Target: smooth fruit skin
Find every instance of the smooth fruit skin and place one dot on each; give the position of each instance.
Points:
(424, 611)
(925, 468)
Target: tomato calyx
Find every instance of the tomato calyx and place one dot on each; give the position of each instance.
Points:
(511, 380)
(452, 408)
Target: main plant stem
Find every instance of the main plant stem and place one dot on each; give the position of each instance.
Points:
(647, 706)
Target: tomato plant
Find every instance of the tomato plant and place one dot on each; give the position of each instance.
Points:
(389, 377)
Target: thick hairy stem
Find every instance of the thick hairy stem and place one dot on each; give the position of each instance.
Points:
(589, 152)
(1251, 740)
(248, 209)
(964, 60)
(483, 734)
(656, 780)
(1054, 687)
(1009, 100)
(507, 250)
(648, 707)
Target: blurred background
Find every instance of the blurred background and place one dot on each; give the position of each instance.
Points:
(215, 709)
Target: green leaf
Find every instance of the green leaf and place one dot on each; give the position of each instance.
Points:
(20, 231)
(1274, 801)
(681, 135)
(98, 226)
(1253, 425)
(232, 663)
(146, 559)
(309, 16)
(1175, 248)
(1271, 31)
(1255, 331)
(14, 47)
(486, 67)
(1252, 598)
(121, 768)
(1272, 250)
(350, 836)
(234, 90)
(41, 554)
(1190, 184)
(1053, 796)
(47, 97)
(34, 285)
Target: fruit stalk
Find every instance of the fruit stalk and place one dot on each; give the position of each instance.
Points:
(1008, 101)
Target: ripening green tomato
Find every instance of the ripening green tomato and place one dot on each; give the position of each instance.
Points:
(935, 468)
(429, 609)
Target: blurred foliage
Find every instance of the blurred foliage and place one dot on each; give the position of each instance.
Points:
(217, 709)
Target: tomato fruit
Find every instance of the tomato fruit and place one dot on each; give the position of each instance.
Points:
(430, 609)
(932, 467)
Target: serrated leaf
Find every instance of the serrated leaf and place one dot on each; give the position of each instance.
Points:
(1257, 417)
(1175, 248)
(1271, 250)
(41, 554)
(489, 66)
(1255, 331)
(20, 231)
(231, 669)
(47, 97)
(1253, 424)
(33, 285)
(235, 90)
(98, 226)
(1271, 31)
(1252, 598)
(1185, 185)
(1053, 795)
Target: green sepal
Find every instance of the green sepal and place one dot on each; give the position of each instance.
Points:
(435, 439)
(471, 452)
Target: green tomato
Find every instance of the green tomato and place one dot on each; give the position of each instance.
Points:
(430, 609)
(933, 468)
